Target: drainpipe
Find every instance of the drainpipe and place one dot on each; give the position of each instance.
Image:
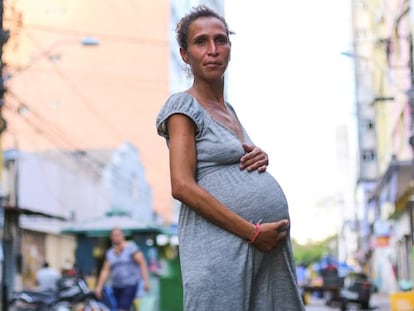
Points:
(4, 36)
(411, 140)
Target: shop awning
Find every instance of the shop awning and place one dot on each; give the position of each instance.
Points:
(103, 225)
(394, 183)
(30, 212)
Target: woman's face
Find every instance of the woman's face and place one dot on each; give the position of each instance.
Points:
(117, 236)
(208, 51)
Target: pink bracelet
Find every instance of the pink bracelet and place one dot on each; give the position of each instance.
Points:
(256, 234)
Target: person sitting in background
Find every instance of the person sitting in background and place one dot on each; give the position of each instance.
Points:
(47, 277)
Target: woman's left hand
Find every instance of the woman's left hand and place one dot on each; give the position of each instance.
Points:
(254, 159)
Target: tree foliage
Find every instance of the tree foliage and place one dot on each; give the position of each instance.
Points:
(310, 252)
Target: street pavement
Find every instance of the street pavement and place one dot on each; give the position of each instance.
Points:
(379, 302)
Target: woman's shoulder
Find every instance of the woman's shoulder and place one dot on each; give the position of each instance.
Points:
(180, 100)
(183, 103)
(179, 96)
(131, 245)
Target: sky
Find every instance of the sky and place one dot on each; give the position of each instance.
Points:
(291, 89)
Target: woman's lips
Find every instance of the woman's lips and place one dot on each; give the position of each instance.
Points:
(212, 64)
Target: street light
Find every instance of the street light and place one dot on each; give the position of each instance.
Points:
(376, 99)
(368, 95)
(409, 93)
(352, 55)
(87, 41)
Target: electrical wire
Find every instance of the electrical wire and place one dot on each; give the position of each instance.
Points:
(53, 128)
(47, 185)
(83, 99)
(52, 133)
(57, 136)
(107, 37)
(48, 135)
(120, 180)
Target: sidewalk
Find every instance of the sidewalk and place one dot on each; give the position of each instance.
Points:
(380, 302)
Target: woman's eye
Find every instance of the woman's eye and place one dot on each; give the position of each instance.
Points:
(221, 40)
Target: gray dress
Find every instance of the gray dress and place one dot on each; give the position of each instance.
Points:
(221, 271)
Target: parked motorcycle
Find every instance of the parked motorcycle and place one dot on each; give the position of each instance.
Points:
(72, 294)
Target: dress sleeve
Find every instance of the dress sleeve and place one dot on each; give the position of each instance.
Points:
(133, 248)
(180, 103)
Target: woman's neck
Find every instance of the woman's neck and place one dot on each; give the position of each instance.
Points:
(208, 92)
(119, 247)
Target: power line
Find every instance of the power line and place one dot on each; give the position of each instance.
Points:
(83, 99)
(44, 121)
(56, 136)
(107, 37)
(50, 130)
(56, 141)
(4, 36)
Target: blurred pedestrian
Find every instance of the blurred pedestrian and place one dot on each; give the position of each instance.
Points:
(47, 278)
(126, 266)
(235, 249)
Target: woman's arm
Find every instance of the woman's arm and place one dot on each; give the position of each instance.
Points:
(140, 260)
(106, 269)
(182, 150)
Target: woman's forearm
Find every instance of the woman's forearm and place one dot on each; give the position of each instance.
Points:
(102, 278)
(213, 210)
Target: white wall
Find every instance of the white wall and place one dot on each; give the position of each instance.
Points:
(58, 186)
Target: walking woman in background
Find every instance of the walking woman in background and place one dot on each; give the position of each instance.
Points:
(126, 266)
(235, 248)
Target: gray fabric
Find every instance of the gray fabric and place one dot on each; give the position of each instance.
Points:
(124, 269)
(220, 270)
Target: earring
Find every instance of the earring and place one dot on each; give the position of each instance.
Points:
(187, 70)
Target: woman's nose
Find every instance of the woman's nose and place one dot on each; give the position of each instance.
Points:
(212, 48)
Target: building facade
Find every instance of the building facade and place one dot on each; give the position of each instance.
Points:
(383, 75)
(83, 75)
(63, 189)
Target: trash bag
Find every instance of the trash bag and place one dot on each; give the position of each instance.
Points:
(108, 298)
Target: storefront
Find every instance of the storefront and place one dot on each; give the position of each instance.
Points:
(391, 240)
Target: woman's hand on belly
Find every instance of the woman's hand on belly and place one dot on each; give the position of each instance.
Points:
(254, 159)
(270, 235)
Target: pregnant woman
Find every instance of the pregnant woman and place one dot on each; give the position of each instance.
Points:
(235, 248)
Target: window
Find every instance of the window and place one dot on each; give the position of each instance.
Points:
(368, 155)
(367, 124)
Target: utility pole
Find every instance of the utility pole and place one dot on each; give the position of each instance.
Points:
(4, 36)
(411, 139)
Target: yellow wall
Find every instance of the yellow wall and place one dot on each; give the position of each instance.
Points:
(60, 250)
(391, 79)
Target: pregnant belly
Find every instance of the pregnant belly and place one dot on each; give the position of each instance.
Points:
(254, 196)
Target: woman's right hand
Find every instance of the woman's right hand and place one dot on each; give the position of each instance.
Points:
(269, 236)
(98, 292)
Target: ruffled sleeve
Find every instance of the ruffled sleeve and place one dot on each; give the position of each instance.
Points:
(181, 103)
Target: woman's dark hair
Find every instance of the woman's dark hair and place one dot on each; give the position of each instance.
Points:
(185, 22)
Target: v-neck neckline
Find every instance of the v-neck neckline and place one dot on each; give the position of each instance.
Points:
(119, 253)
(240, 139)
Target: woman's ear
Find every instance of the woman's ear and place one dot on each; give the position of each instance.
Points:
(184, 55)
